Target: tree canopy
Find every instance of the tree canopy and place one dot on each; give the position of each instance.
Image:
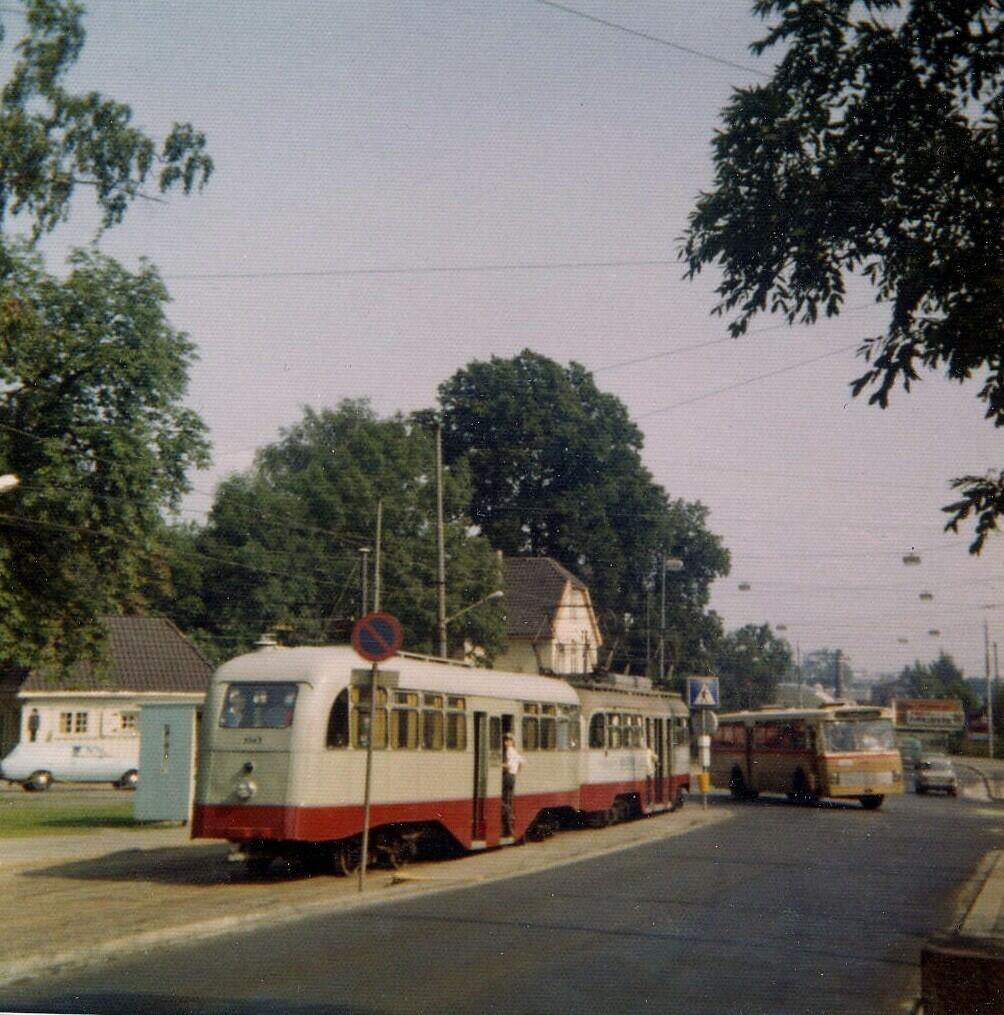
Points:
(750, 662)
(92, 421)
(92, 375)
(53, 141)
(556, 470)
(282, 545)
(938, 679)
(874, 149)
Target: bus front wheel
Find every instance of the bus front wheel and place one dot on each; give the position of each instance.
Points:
(871, 803)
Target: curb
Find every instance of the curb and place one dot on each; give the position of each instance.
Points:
(962, 971)
(408, 886)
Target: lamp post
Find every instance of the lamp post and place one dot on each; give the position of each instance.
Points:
(986, 669)
(675, 565)
(497, 594)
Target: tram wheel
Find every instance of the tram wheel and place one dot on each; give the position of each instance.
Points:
(678, 800)
(872, 801)
(346, 857)
(620, 811)
(394, 852)
(257, 866)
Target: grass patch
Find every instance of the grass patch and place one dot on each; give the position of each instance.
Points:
(21, 820)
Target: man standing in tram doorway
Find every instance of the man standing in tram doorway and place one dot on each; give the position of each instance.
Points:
(512, 762)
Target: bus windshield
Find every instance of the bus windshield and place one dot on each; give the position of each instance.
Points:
(258, 706)
(851, 735)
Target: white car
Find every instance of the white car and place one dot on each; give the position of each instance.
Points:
(37, 766)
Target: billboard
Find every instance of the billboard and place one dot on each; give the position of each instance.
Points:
(943, 715)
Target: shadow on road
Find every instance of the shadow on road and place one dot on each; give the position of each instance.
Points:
(167, 1004)
(172, 865)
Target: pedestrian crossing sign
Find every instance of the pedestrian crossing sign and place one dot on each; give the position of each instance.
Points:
(702, 692)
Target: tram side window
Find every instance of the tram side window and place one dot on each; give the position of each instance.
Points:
(495, 739)
(404, 721)
(681, 731)
(531, 726)
(614, 739)
(432, 722)
(338, 721)
(361, 718)
(598, 731)
(573, 729)
(548, 733)
(636, 730)
(456, 724)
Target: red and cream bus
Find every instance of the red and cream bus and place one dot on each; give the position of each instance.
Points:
(841, 751)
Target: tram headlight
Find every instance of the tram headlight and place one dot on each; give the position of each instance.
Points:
(246, 789)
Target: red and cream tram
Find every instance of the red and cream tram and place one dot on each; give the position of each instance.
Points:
(285, 733)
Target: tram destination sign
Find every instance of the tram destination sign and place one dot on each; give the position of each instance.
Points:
(377, 636)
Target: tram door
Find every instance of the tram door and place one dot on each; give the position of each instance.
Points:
(660, 760)
(480, 775)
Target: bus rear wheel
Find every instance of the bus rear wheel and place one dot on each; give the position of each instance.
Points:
(737, 786)
(871, 802)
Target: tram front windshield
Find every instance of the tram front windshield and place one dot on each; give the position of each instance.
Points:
(258, 706)
(848, 736)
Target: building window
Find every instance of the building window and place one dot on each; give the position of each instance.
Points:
(128, 722)
(66, 722)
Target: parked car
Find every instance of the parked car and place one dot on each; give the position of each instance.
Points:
(910, 749)
(935, 772)
(36, 766)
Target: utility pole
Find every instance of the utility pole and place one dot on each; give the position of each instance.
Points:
(440, 549)
(365, 553)
(838, 681)
(662, 624)
(798, 670)
(990, 695)
(377, 578)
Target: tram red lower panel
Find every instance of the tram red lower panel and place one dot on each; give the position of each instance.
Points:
(249, 822)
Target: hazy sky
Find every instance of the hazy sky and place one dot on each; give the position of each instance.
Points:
(355, 139)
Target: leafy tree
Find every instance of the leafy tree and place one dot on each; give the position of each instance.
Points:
(820, 666)
(750, 662)
(53, 141)
(556, 470)
(939, 679)
(875, 148)
(93, 375)
(92, 420)
(281, 548)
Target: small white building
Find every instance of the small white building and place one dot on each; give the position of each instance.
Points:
(551, 624)
(145, 659)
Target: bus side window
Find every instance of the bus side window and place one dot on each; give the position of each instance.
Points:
(338, 721)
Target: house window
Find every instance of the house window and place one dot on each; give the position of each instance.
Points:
(128, 722)
(72, 722)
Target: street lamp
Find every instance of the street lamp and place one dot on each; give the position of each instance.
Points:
(911, 559)
(497, 594)
(675, 565)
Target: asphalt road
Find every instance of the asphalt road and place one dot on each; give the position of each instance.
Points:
(782, 909)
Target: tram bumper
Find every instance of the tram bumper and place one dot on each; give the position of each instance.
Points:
(242, 797)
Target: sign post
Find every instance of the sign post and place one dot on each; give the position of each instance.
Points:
(376, 636)
(702, 693)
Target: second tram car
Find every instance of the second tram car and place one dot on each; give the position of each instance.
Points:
(285, 733)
